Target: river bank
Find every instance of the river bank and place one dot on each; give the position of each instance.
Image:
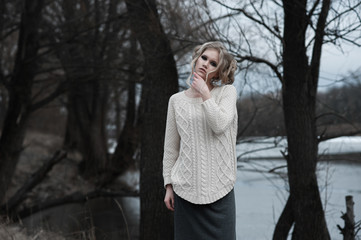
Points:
(260, 193)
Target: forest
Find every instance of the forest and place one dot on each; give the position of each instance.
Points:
(84, 88)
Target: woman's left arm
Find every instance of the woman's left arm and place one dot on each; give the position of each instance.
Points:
(220, 116)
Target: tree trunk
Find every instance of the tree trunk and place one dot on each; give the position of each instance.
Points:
(86, 124)
(299, 98)
(285, 222)
(87, 96)
(128, 140)
(160, 83)
(19, 93)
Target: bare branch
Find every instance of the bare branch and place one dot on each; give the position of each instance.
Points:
(276, 168)
(261, 60)
(35, 178)
(344, 32)
(76, 197)
(56, 93)
(317, 47)
(213, 20)
(310, 14)
(249, 16)
(11, 31)
(352, 133)
(348, 10)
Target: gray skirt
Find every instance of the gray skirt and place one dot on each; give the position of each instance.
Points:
(214, 221)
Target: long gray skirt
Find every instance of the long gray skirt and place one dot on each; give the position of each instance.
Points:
(214, 221)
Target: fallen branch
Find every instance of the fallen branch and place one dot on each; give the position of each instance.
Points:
(34, 180)
(73, 198)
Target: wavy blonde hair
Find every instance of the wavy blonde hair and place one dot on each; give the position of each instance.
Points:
(226, 67)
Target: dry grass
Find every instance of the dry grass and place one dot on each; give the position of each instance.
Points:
(15, 232)
(61, 181)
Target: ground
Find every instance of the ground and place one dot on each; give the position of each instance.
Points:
(61, 181)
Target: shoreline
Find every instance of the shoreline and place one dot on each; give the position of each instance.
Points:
(354, 157)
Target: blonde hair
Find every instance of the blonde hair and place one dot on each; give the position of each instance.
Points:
(226, 66)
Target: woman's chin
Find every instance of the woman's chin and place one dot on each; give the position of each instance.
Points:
(201, 74)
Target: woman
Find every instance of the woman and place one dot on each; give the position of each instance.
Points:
(199, 163)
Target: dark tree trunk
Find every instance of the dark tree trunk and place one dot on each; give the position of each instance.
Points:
(88, 92)
(86, 125)
(285, 222)
(87, 99)
(304, 208)
(161, 81)
(128, 140)
(19, 106)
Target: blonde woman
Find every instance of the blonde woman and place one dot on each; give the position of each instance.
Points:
(199, 163)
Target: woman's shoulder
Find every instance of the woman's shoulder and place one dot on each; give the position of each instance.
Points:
(225, 89)
(175, 96)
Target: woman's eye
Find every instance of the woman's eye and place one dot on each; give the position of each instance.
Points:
(204, 58)
(214, 64)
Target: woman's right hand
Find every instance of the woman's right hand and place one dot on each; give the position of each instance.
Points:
(169, 197)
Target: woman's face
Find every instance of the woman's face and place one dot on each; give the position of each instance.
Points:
(207, 62)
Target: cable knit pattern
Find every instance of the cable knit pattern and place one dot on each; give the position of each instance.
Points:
(199, 148)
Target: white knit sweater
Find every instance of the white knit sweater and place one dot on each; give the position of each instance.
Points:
(200, 141)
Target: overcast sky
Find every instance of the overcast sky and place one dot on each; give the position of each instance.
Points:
(335, 64)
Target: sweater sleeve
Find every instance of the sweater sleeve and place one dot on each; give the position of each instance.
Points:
(220, 116)
(171, 143)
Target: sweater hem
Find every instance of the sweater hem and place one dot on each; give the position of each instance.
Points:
(205, 199)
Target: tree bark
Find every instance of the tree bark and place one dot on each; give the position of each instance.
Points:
(161, 81)
(299, 99)
(20, 93)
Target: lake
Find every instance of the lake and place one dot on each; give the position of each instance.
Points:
(261, 196)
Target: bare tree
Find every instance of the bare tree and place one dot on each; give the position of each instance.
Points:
(160, 82)
(128, 139)
(19, 91)
(88, 46)
(292, 35)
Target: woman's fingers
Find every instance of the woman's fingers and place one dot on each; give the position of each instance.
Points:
(169, 199)
(198, 78)
(172, 203)
(199, 84)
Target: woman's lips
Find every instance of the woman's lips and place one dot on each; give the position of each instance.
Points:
(202, 70)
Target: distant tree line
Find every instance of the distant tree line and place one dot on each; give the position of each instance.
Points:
(337, 111)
